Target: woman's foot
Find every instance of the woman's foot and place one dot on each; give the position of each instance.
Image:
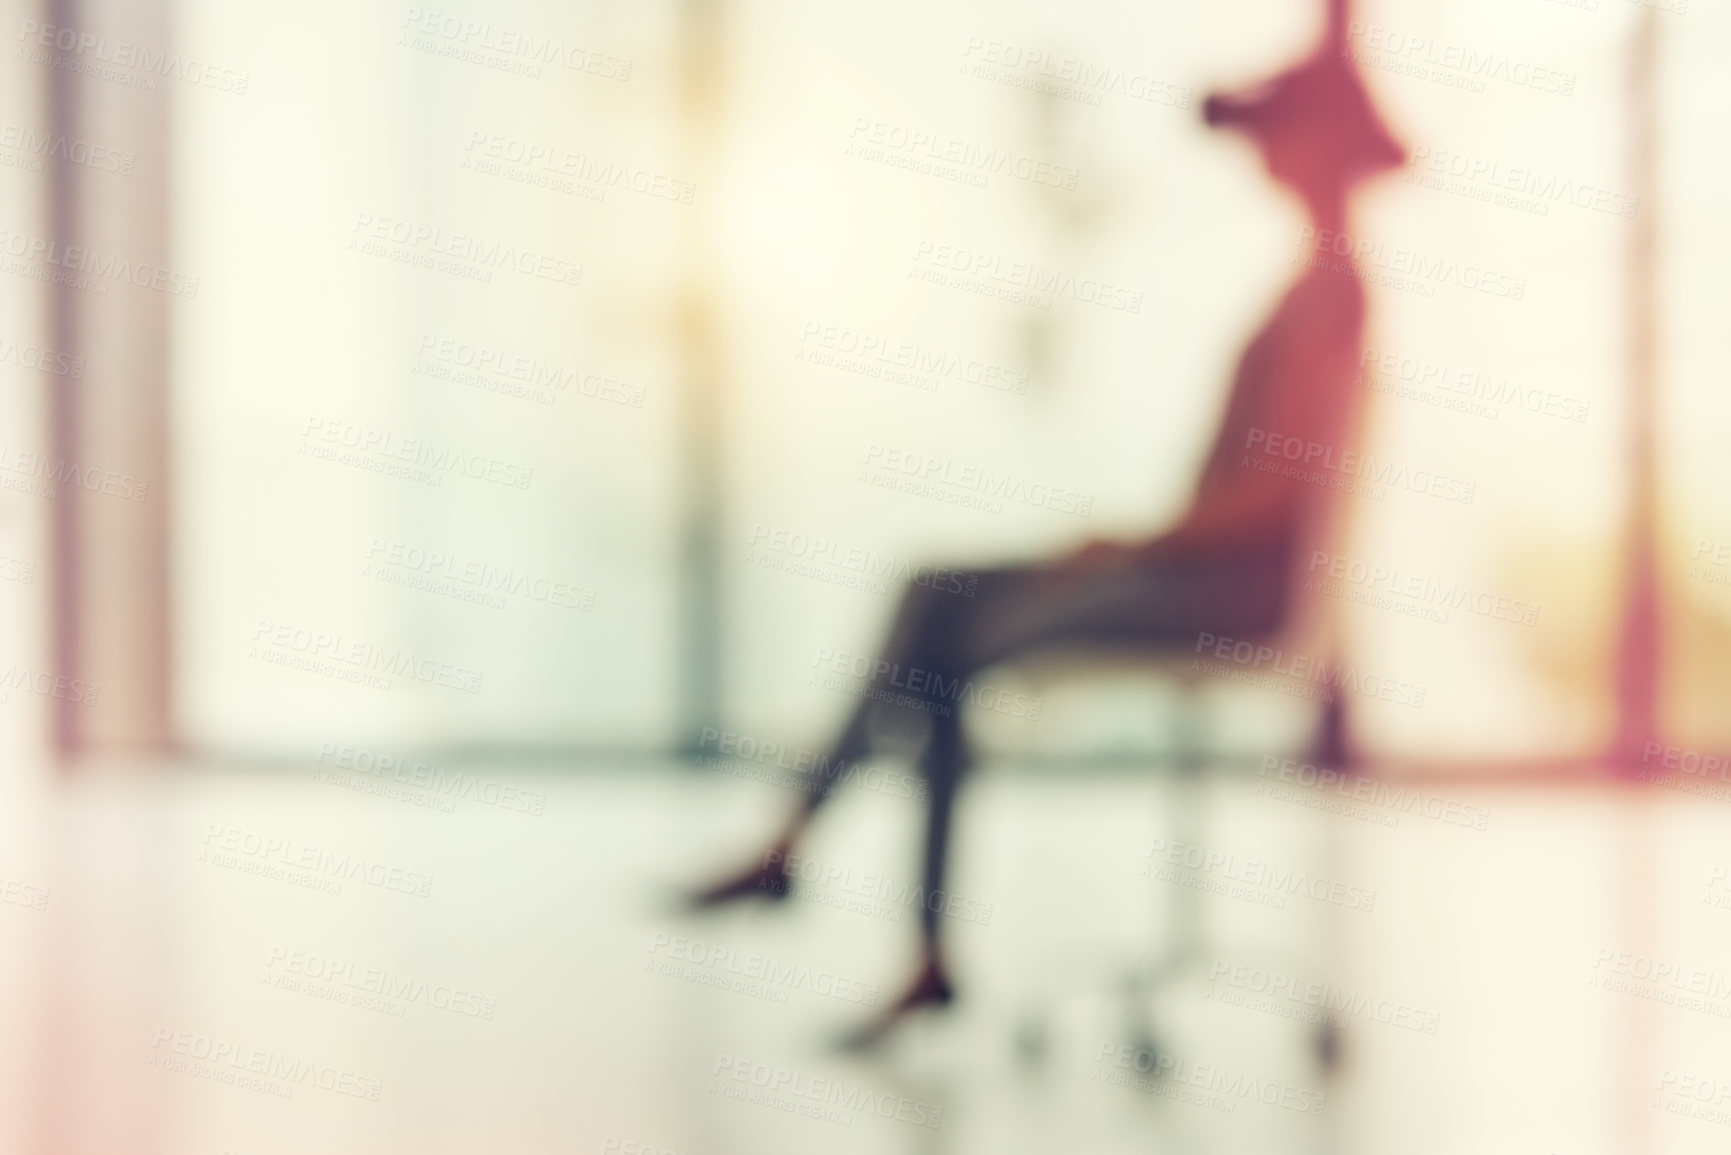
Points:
(930, 988)
(768, 881)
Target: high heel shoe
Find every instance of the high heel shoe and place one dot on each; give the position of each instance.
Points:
(768, 881)
(930, 989)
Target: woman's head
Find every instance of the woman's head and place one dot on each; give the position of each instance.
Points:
(1314, 125)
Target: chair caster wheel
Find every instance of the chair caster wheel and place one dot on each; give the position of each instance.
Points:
(1145, 1054)
(1325, 1044)
(1029, 1039)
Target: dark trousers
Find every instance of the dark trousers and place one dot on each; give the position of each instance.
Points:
(941, 639)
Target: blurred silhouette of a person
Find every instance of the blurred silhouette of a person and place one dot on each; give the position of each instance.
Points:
(1226, 567)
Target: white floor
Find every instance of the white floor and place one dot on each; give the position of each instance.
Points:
(583, 1013)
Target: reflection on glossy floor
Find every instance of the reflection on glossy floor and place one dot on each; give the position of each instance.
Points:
(485, 978)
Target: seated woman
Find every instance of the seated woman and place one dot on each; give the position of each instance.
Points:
(1226, 568)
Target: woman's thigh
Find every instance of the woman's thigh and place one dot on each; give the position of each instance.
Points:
(1152, 604)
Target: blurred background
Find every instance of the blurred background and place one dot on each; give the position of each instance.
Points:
(442, 450)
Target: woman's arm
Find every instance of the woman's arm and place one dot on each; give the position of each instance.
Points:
(1219, 521)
